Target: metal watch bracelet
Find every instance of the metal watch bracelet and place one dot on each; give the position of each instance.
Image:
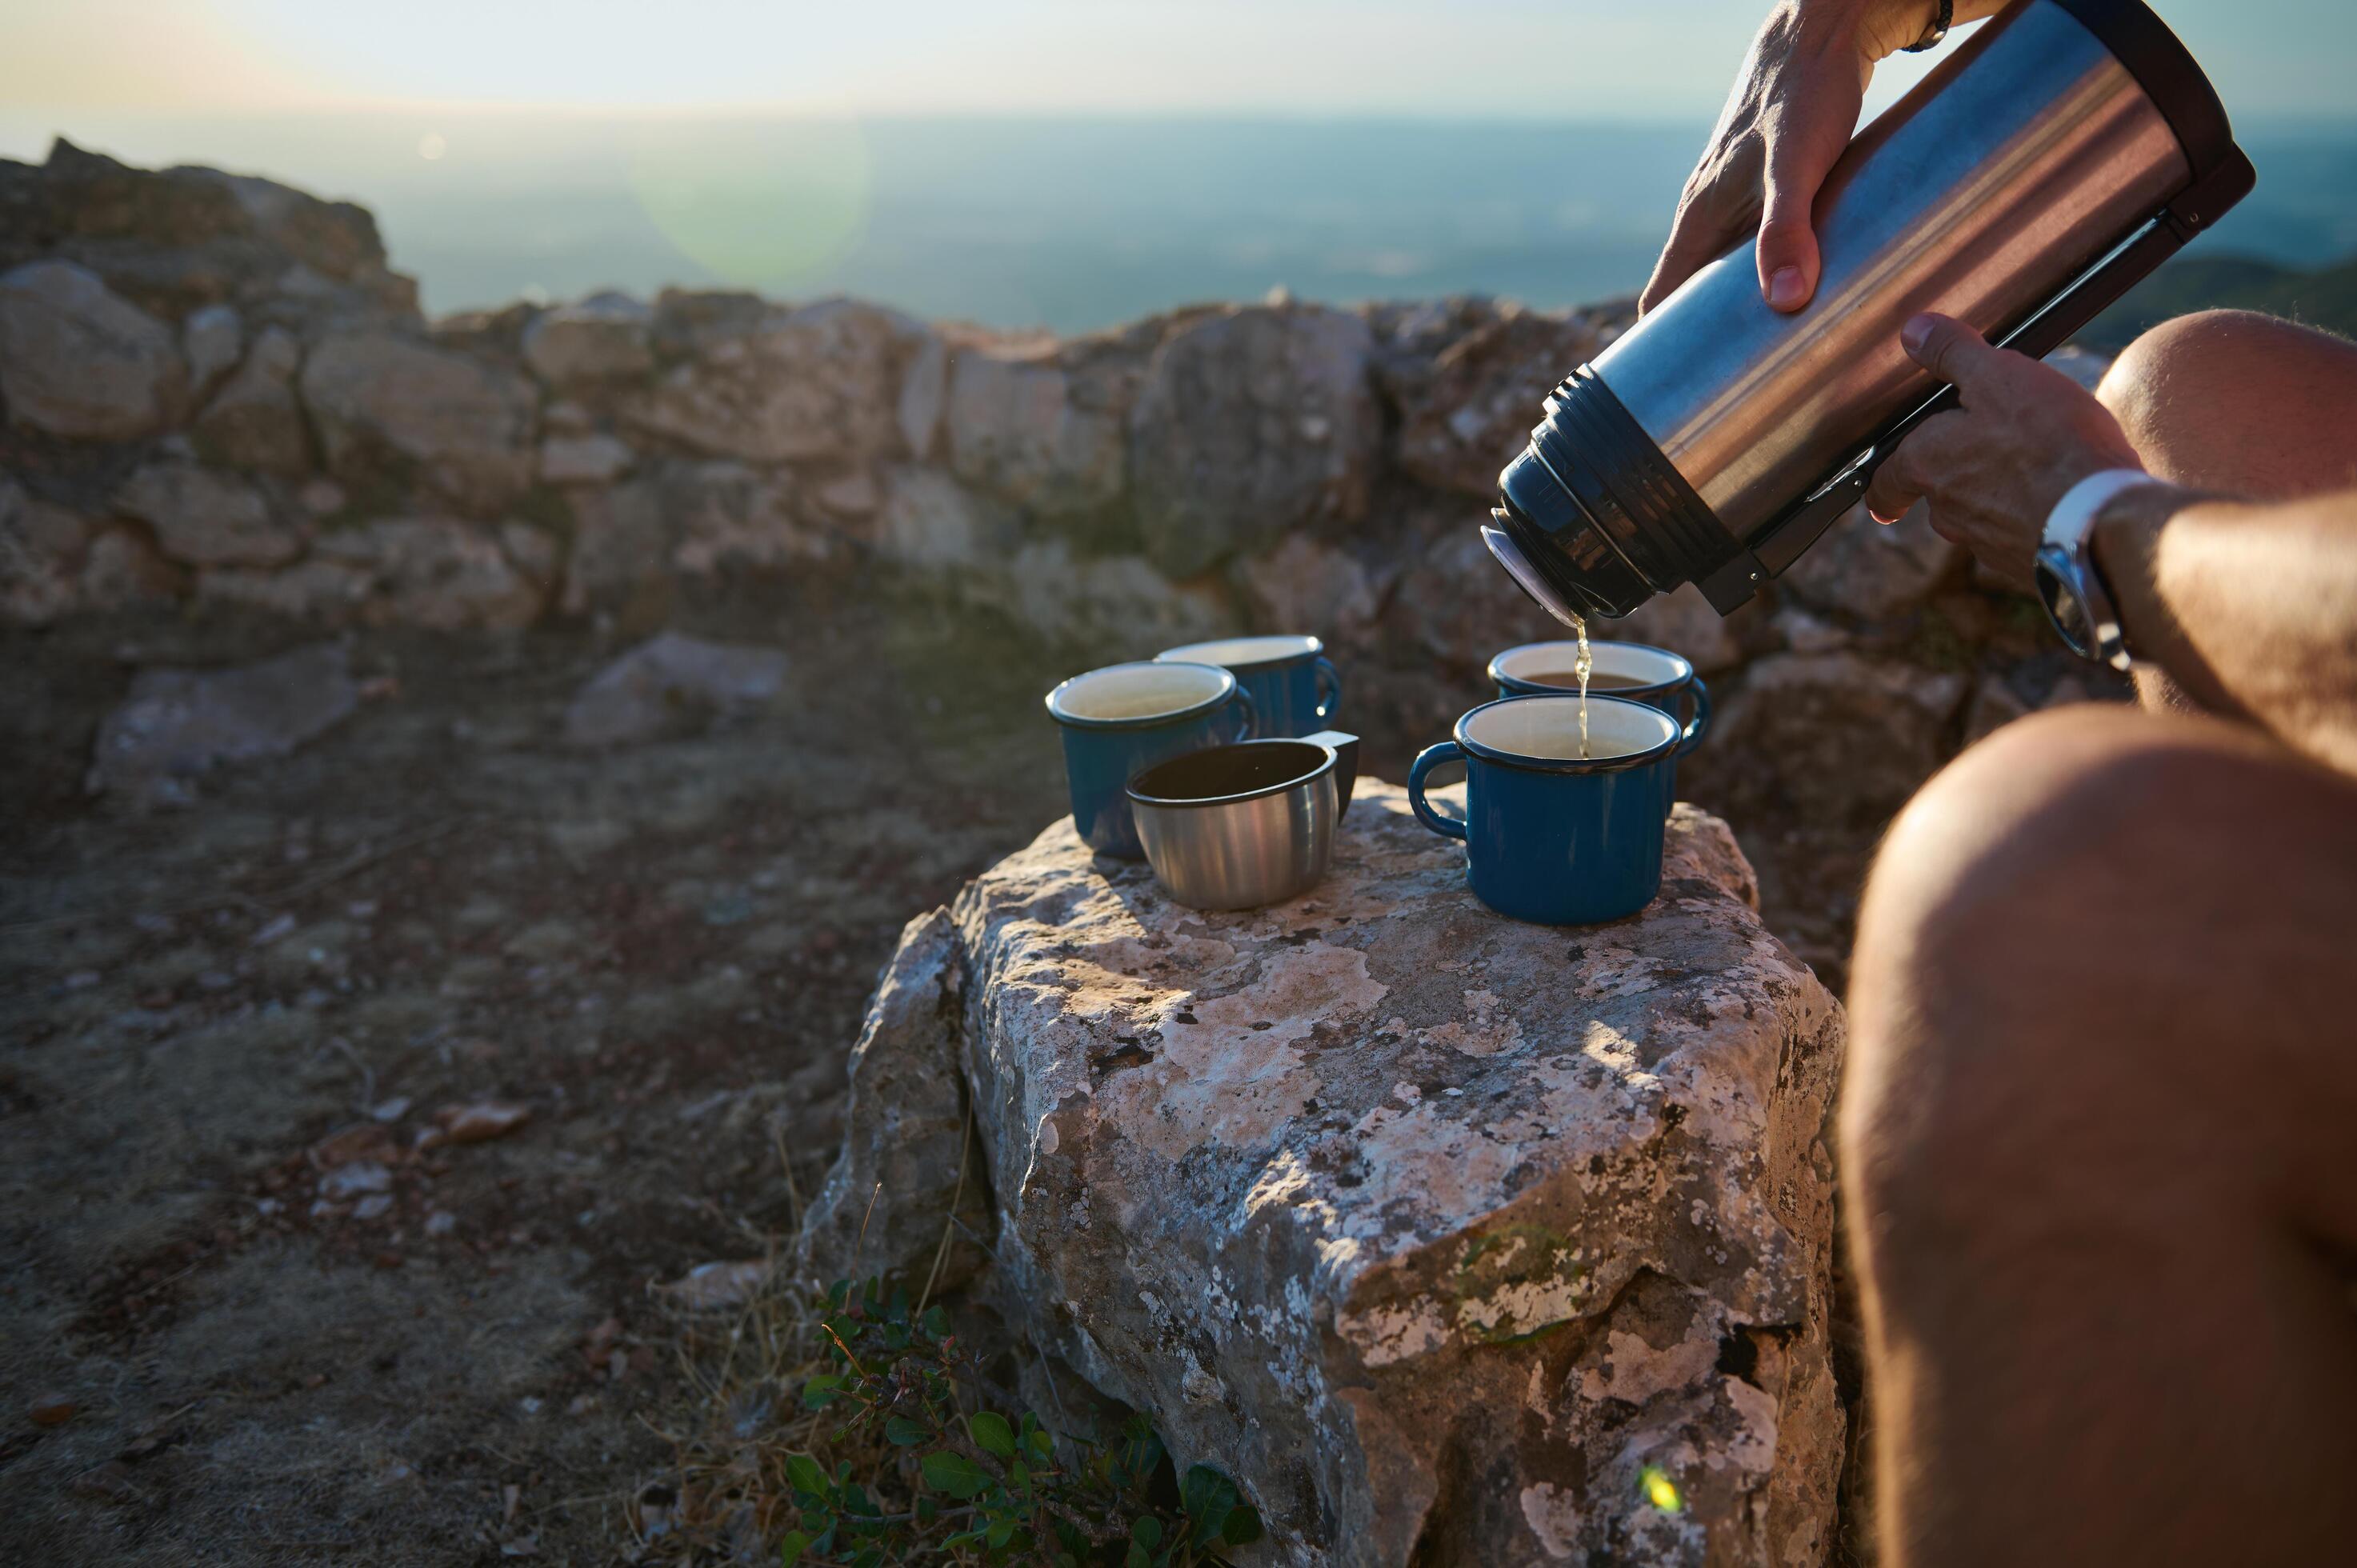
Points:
(2078, 597)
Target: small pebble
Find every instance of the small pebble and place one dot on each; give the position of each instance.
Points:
(352, 1180)
(482, 1121)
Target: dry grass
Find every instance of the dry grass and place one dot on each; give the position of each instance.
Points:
(738, 1418)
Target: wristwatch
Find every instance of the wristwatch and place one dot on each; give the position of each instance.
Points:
(1937, 31)
(2078, 600)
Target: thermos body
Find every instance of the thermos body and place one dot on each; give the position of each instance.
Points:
(2058, 155)
(2016, 167)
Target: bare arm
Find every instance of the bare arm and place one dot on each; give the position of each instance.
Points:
(2251, 606)
(1794, 106)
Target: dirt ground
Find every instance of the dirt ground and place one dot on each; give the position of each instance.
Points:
(661, 953)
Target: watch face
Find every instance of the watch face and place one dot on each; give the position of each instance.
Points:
(2058, 584)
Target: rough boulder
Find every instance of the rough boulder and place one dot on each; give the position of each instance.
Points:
(79, 361)
(1250, 423)
(387, 404)
(1455, 1240)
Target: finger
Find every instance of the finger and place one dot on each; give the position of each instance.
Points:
(1909, 474)
(1789, 260)
(1891, 491)
(1894, 489)
(1705, 227)
(1696, 238)
(1951, 351)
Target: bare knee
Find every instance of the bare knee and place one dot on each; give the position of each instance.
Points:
(1975, 892)
(2037, 973)
(2234, 401)
(2016, 833)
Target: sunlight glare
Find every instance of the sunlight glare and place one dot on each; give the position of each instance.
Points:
(763, 204)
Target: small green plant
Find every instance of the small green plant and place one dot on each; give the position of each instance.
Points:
(956, 1481)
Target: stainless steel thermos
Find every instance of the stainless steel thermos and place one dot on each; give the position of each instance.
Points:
(2063, 152)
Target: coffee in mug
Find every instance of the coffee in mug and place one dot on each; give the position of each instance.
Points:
(1568, 680)
(1654, 676)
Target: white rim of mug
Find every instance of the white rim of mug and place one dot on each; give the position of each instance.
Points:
(1191, 652)
(1573, 765)
(1499, 675)
(1227, 690)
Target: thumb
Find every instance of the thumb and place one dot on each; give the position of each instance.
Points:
(1949, 349)
(1789, 262)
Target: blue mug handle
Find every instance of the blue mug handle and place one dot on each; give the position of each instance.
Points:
(1330, 690)
(1698, 723)
(1247, 722)
(1430, 757)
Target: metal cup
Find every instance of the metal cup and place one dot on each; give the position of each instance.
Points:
(1236, 827)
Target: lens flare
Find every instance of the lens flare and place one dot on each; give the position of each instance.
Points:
(762, 204)
(1660, 1490)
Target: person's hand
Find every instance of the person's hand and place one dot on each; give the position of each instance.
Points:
(1994, 467)
(1793, 108)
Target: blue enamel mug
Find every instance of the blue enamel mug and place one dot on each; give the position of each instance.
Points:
(1295, 688)
(1124, 718)
(1552, 836)
(1637, 670)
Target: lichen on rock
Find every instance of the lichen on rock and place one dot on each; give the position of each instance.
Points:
(1455, 1240)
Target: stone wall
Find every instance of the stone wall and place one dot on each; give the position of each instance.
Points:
(218, 396)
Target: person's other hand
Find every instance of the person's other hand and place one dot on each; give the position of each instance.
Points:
(1994, 467)
(1794, 105)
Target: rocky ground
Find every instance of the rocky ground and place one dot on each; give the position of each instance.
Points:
(247, 1318)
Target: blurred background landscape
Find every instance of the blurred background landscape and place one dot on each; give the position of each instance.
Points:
(1051, 165)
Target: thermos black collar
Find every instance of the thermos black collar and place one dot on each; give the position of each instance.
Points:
(2168, 74)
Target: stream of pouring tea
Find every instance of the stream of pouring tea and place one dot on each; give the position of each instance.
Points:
(1510, 556)
(1581, 666)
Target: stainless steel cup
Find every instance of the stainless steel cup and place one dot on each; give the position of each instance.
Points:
(1235, 827)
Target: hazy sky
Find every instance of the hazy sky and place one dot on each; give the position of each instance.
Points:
(71, 61)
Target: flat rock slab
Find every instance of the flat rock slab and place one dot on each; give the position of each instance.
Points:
(669, 682)
(1455, 1240)
(177, 724)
